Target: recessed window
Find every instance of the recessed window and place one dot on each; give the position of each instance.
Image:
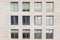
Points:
(14, 33)
(26, 6)
(37, 6)
(14, 20)
(50, 20)
(38, 34)
(14, 6)
(49, 6)
(38, 20)
(26, 33)
(49, 33)
(26, 20)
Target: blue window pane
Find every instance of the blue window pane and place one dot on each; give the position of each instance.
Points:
(12, 20)
(26, 20)
(16, 18)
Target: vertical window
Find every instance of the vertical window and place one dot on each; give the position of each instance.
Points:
(26, 20)
(38, 20)
(49, 6)
(49, 33)
(38, 34)
(14, 20)
(38, 6)
(26, 33)
(50, 20)
(14, 6)
(14, 33)
(26, 6)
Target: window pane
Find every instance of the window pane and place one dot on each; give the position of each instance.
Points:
(50, 20)
(26, 33)
(26, 20)
(47, 20)
(37, 33)
(14, 6)
(14, 20)
(38, 20)
(14, 33)
(49, 6)
(26, 6)
(49, 33)
(38, 6)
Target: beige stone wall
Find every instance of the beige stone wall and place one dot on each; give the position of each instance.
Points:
(5, 14)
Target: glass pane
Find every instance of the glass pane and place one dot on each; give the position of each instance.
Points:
(26, 20)
(16, 19)
(38, 20)
(49, 33)
(12, 20)
(14, 30)
(16, 35)
(47, 20)
(26, 31)
(51, 20)
(37, 31)
(26, 6)
(38, 6)
(14, 6)
(38, 36)
(49, 6)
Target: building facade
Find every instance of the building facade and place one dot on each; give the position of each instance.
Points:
(29, 19)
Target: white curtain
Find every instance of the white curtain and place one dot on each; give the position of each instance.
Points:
(38, 20)
(49, 31)
(37, 31)
(47, 20)
(51, 20)
(26, 31)
(14, 30)
(49, 7)
(38, 6)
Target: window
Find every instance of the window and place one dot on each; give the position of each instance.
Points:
(38, 6)
(50, 20)
(26, 6)
(14, 20)
(37, 33)
(49, 6)
(38, 20)
(14, 33)
(49, 33)
(26, 20)
(26, 33)
(14, 6)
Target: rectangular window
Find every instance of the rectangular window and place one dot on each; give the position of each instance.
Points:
(38, 34)
(49, 33)
(14, 6)
(50, 20)
(26, 20)
(38, 6)
(14, 20)
(26, 6)
(14, 33)
(49, 6)
(26, 33)
(38, 20)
